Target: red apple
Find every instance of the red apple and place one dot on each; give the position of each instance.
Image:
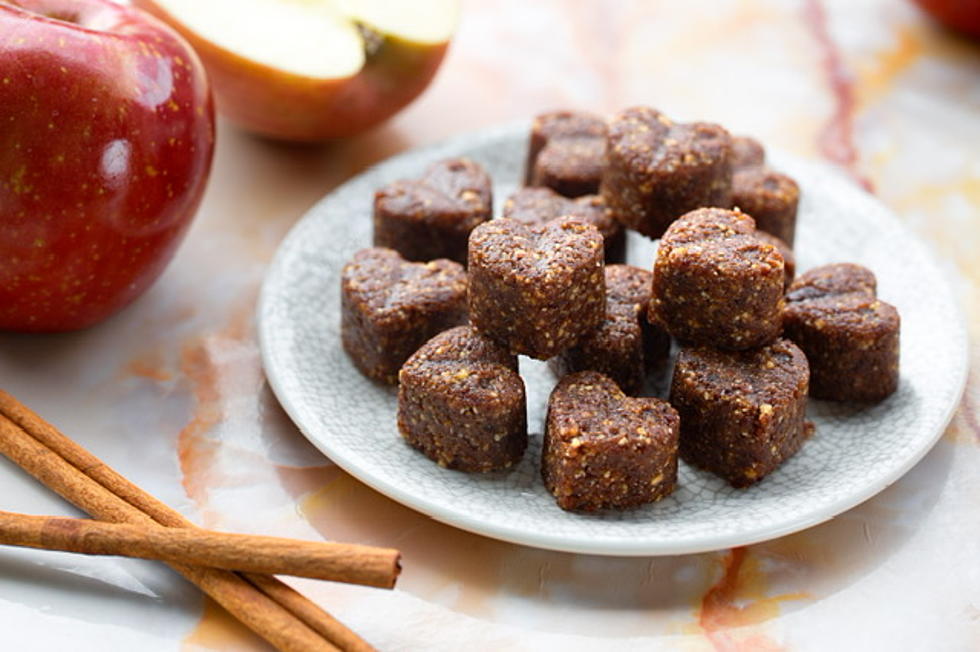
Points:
(311, 70)
(961, 15)
(106, 139)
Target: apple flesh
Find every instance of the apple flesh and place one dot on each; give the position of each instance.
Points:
(313, 70)
(106, 140)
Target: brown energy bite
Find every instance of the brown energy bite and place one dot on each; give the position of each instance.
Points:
(537, 206)
(390, 307)
(789, 258)
(566, 152)
(657, 170)
(742, 412)
(626, 346)
(432, 217)
(606, 450)
(715, 283)
(747, 152)
(537, 291)
(850, 337)
(462, 403)
(771, 198)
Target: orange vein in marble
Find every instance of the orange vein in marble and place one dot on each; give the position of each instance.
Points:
(879, 75)
(195, 452)
(149, 369)
(836, 140)
(736, 600)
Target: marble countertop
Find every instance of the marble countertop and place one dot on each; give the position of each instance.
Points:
(171, 391)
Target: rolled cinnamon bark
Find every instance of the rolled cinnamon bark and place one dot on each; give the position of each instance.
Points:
(338, 562)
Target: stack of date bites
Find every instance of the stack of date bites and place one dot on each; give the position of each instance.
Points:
(449, 297)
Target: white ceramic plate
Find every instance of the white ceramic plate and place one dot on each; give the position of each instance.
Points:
(856, 452)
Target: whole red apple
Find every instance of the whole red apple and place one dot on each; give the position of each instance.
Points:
(106, 140)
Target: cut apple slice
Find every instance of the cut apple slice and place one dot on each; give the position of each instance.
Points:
(311, 39)
(313, 69)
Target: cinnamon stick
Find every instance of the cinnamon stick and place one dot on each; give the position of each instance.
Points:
(102, 474)
(113, 493)
(256, 610)
(338, 562)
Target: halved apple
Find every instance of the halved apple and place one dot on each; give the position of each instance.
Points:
(312, 70)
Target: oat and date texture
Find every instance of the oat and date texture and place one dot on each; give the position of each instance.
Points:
(462, 403)
(850, 337)
(715, 283)
(789, 258)
(606, 450)
(657, 170)
(770, 197)
(390, 307)
(626, 347)
(537, 206)
(742, 412)
(566, 152)
(536, 291)
(432, 217)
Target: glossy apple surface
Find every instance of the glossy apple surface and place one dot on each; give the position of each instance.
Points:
(106, 140)
(313, 70)
(961, 15)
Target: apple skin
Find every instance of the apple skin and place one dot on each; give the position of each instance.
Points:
(285, 106)
(106, 141)
(960, 15)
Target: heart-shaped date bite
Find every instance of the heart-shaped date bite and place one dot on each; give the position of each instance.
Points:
(390, 307)
(850, 337)
(657, 169)
(716, 283)
(566, 152)
(742, 412)
(537, 291)
(603, 449)
(462, 403)
(432, 217)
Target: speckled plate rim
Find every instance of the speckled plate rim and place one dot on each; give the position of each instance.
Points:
(623, 547)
